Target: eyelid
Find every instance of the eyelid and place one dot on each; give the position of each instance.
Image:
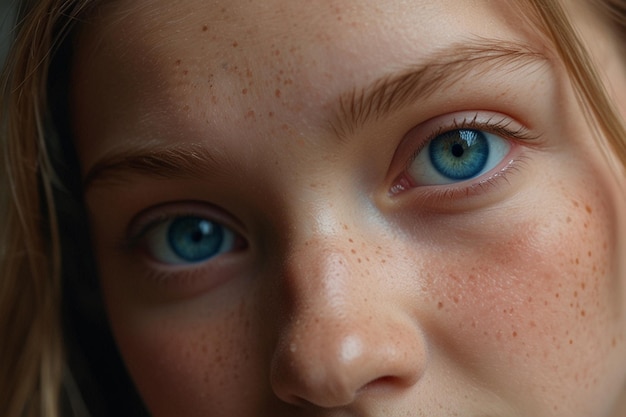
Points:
(491, 122)
(143, 222)
(418, 138)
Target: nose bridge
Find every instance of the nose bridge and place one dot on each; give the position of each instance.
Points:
(341, 331)
(319, 274)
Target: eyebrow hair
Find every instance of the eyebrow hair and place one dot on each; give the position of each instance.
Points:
(446, 67)
(165, 162)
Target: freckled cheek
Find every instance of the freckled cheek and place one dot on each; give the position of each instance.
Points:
(537, 292)
(182, 366)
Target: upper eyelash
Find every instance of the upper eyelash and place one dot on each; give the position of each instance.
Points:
(500, 128)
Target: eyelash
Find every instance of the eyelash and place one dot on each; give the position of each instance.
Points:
(496, 124)
(184, 274)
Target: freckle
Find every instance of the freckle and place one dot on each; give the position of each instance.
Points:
(514, 334)
(235, 44)
(556, 295)
(277, 93)
(271, 114)
(582, 286)
(575, 294)
(575, 203)
(577, 261)
(613, 342)
(244, 91)
(350, 239)
(582, 313)
(568, 219)
(205, 28)
(588, 209)
(571, 342)
(353, 251)
(589, 254)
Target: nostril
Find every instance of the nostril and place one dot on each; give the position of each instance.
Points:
(382, 383)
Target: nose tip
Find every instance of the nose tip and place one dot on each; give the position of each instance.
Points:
(331, 367)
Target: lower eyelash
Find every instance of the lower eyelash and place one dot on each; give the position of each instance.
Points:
(439, 195)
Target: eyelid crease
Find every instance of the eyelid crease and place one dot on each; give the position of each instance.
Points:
(447, 67)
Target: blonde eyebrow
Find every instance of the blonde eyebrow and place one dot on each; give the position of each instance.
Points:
(178, 161)
(445, 68)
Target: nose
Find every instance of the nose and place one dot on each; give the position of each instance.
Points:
(345, 334)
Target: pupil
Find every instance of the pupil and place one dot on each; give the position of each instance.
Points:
(457, 150)
(197, 236)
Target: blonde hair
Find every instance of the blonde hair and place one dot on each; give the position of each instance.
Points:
(31, 348)
(30, 258)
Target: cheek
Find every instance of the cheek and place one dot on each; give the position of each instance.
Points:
(190, 362)
(539, 296)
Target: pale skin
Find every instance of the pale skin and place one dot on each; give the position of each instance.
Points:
(353, 285)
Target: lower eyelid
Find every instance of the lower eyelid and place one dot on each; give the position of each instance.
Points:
(450, 197)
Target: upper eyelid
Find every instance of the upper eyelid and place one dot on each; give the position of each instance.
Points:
(497, 124)
(150, 217)
(494, 123)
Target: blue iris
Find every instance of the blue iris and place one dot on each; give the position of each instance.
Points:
(459, 154)
(195, 239)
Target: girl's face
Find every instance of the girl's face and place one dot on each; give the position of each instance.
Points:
(349, 209)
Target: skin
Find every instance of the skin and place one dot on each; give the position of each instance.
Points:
(350, 291)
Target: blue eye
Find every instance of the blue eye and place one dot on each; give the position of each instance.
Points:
(188, 239)
(458, 155)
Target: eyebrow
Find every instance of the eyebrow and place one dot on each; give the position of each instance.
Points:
(356, 108)
(445, 68)
(180, 161)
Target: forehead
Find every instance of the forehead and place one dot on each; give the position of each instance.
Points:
(222, 63)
